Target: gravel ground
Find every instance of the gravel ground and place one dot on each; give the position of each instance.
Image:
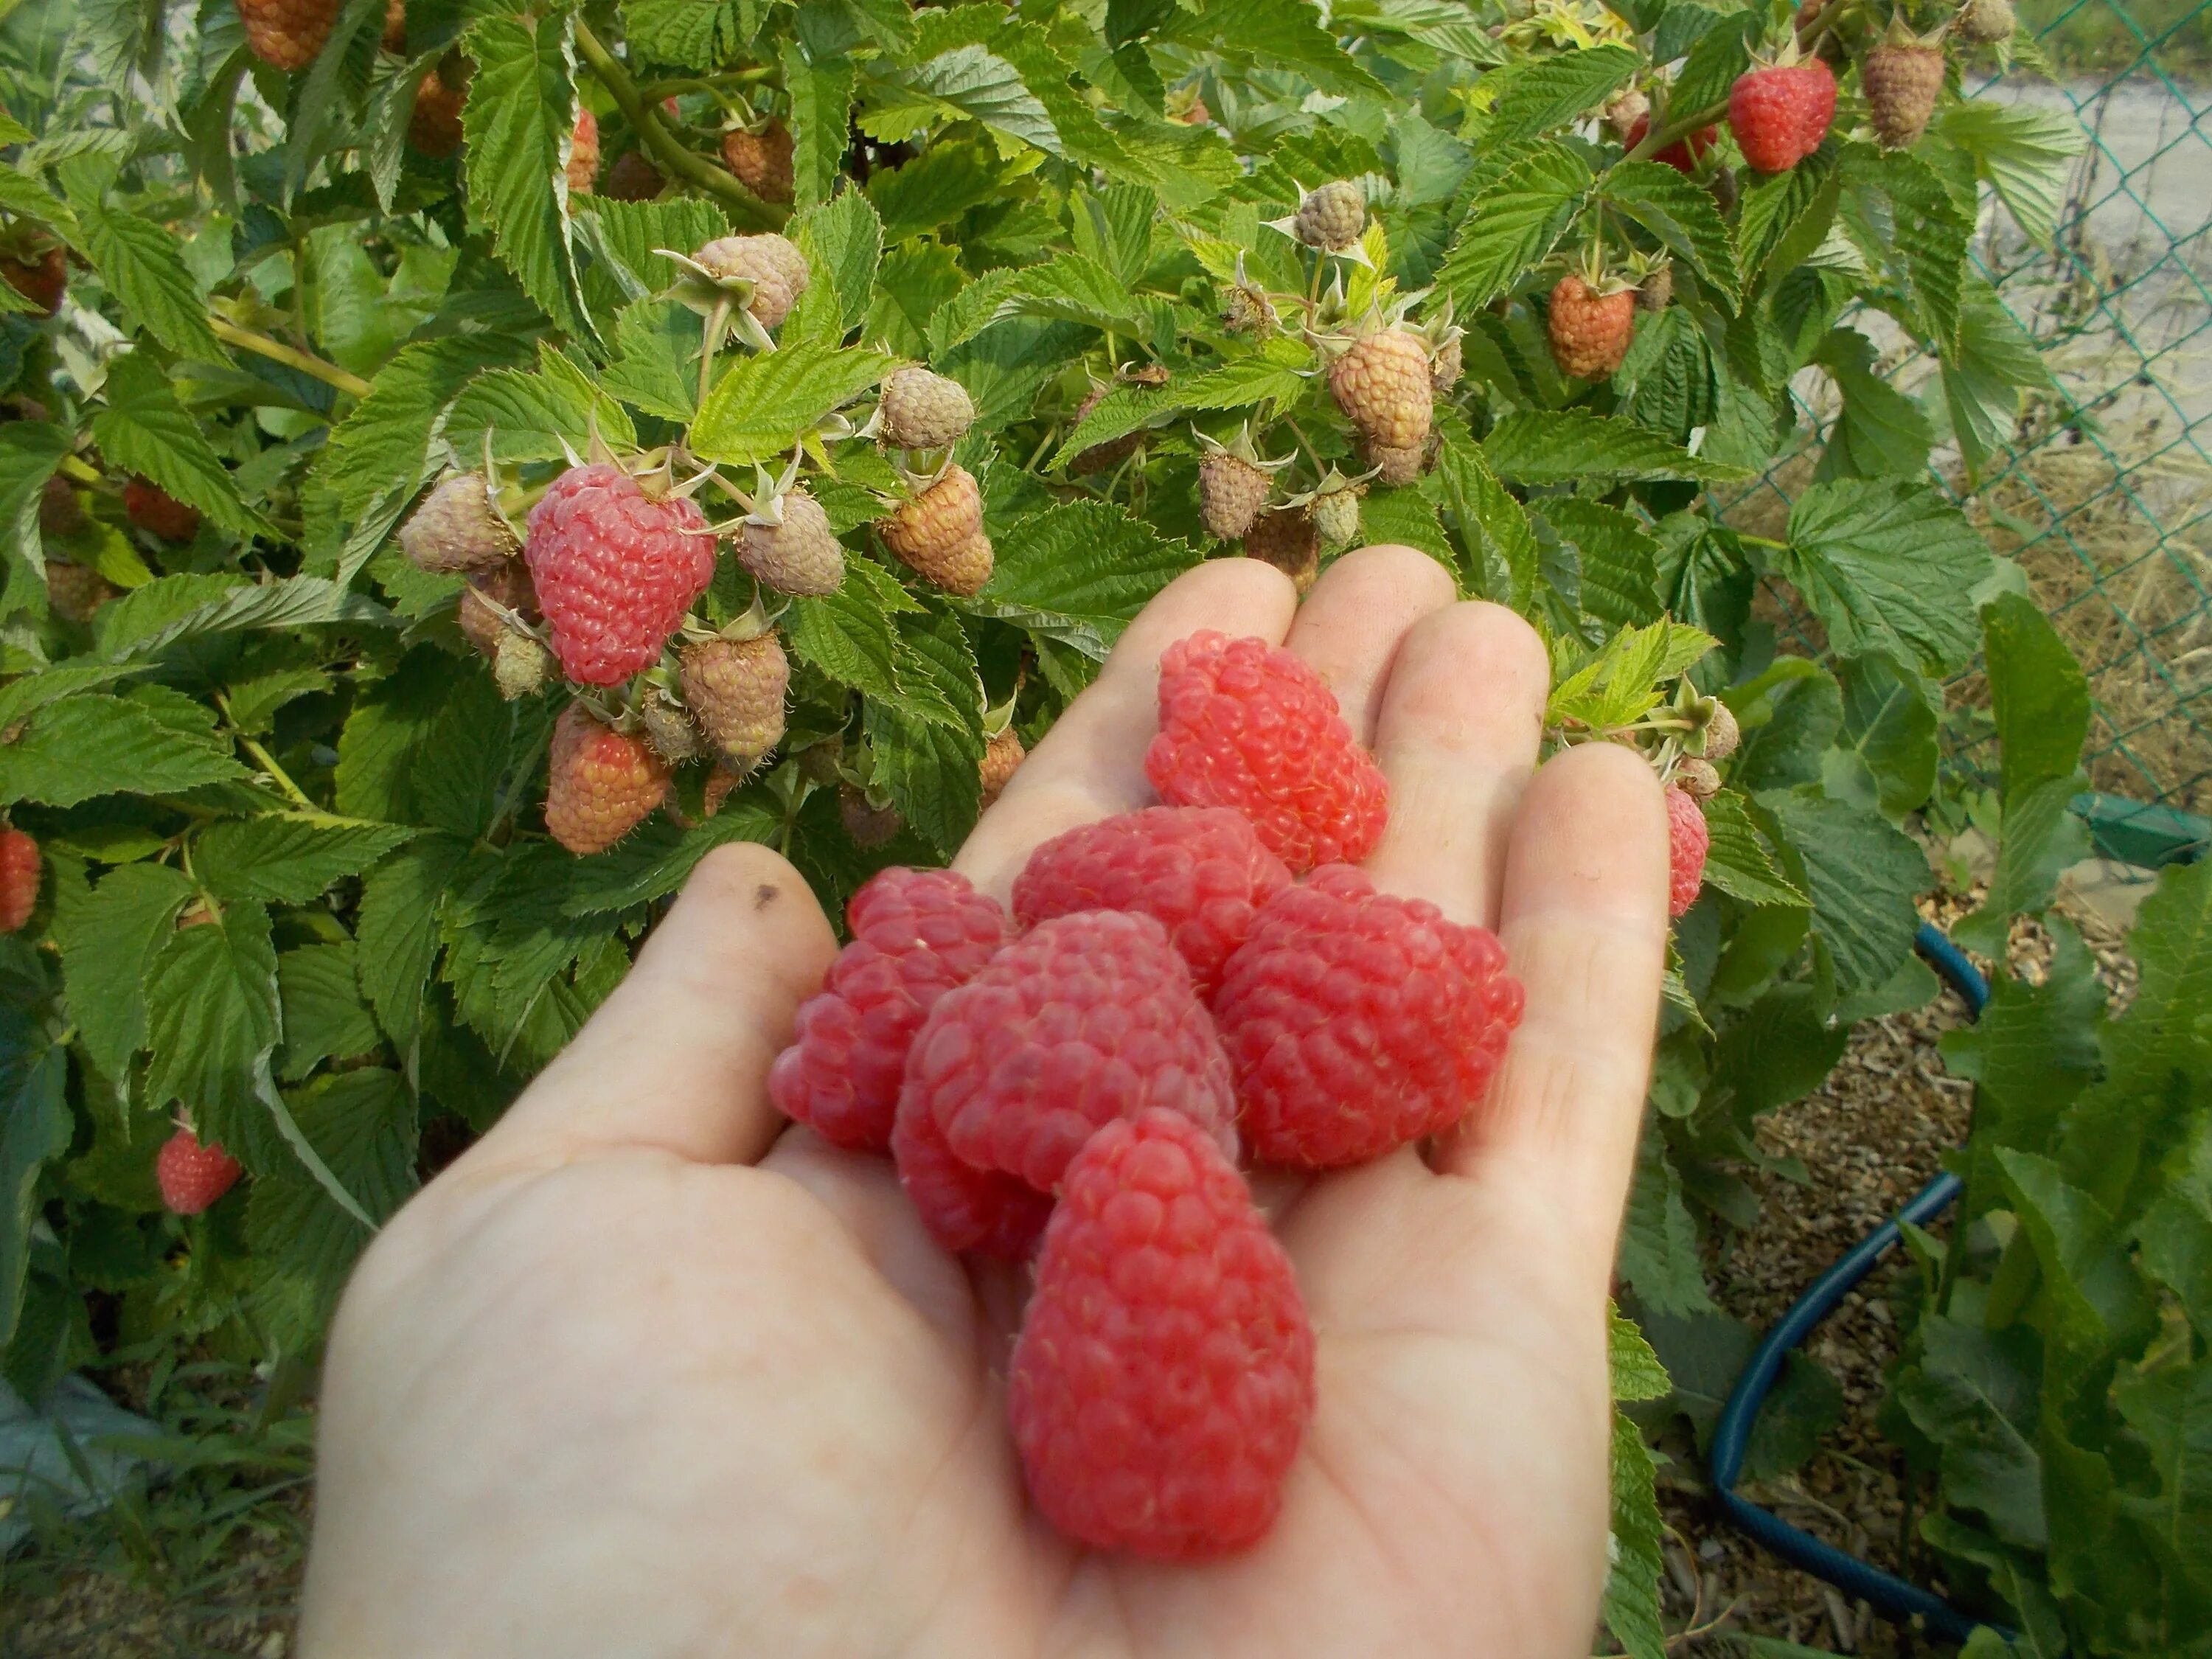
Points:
(1872, 1136)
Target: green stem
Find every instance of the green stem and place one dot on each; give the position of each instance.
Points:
(277, 352)
(283, 779)
(670, 155)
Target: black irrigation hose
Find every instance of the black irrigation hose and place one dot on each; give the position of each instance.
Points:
(1891, 1596)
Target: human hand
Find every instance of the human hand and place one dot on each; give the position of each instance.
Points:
(649, 1371)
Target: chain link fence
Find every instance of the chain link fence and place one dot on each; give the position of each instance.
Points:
(2105, 495)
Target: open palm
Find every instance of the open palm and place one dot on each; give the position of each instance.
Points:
(649, 1371)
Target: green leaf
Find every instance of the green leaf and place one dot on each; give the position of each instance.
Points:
(1985, 371)
(1512, 224)
(1888, 567)
(760, 403)
(1549, 446)
(971, 81)
(1659, 1255)
(212, 1019)
(690, 34)
(30, 453)
(844, 245)
(821, 115)
(847, 634)
(142, 266)
(2023, 153)
(1680, 213)
(1493, 526)
(1631, 1362)
(521, 109)
(1889, 736)
(34, 1129)
(1722, 54)
(1779, 1050)
(106, 939)
(1074, 288)
(1737, 861)
(1930, 234)
(1539, 93)
(89, 745)
(396, 929)
(657, 857)
(929, 764)
(1617, 557)
(1785, 217)
(1634, 1561)
(2037, 691)
(288, 858)
(1862, 876)
(1881, 431)
(144, 429)
(318, 994)
(1280, 33)
(530, 416)
(1078, 572)
(655, 367)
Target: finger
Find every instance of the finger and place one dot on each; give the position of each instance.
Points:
(1584, 923)
(1457, 735)
(677, 1057)
(1091, 765)
(1350, 624)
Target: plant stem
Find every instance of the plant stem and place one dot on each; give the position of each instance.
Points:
(671, 157)
(277, 352)
(283, 778)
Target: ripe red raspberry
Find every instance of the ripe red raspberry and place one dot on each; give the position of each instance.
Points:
(735, 692)
(42, 278)
(1589, 332)
(1688, 838)
(979, 1212)
(1901, 79)
(1780, 114)
(1358, 1021)
(584, 153)
(151, 507)
(1248, 725)
(939, 534)
(1382, 384)
(193, 1177)
(1682, 155)
(1082, 1020)
(916, 935)
(616, 570)
(762, 161)
(1164, 1375)
(1002, 757)
(601, 783)
(1199, 871)
(19, 879)
(286, 35)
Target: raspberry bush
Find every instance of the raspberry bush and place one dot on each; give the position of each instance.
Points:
(462, 463)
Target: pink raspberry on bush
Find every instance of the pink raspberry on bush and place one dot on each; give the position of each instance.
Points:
(615, 570)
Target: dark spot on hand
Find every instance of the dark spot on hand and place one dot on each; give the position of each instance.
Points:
(764, 894)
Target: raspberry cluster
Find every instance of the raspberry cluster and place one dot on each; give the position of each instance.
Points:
(1079, 1083)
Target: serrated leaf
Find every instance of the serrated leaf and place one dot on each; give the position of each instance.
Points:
(1078, 572)
(1659, 1254)
(324, 1016)
(760, 403)
(34, 1129)
(1737, 861)
(141, 263)
(1887, 566)
(1618, 557)
(1493, 526)
(2022, 153)
(1862, 876)
(849, 635)
(1881, 431)
(1634, 1561)
(844, 244)
(212, 1019)
(657, 857)
(91, 745)
(1784, 217)
(1540, 93)
(173, 611)
(929, 764)
(530, 414)
(29, 451)
(1512, 224)
(688, 33)
(288, 858)
(1284, 34)
(396, 929)
(820, 116)
(106, 940)
(1553, 446)
(516, 125)
(656, 355)
(1074, 288)
(1680, 213)
(143, 428)
(1722, 54)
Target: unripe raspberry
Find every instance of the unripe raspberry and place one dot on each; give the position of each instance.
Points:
(456, 529)
(616, 570)
(19, 879)
(1102, 457)
(151, 507)
(870, 826)
(1002, 757)
(800, 555)
(73, 592)
(1231, 491)
(1589, 332)
(939, 534)
(42, 279)
(286, 35)
(504, 586)
(762, 161)
(735, 690)
(60, 513)
(632, 178)
(1447, 363)
(1721, 732)
(193, 1177)
(668, 730)
(1332, 216)
(1624, 110)
(922, 411)
(434, 125)
(584, 153)
(1697, 779)
(1336, 520)
(520, 667)
(1382, 384)
(601, 783)
(1656, 291)
(1902, 80)
(1987, 21)
(1393, 466)
(772, 263)
(1285, 539)
(1688, 838)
